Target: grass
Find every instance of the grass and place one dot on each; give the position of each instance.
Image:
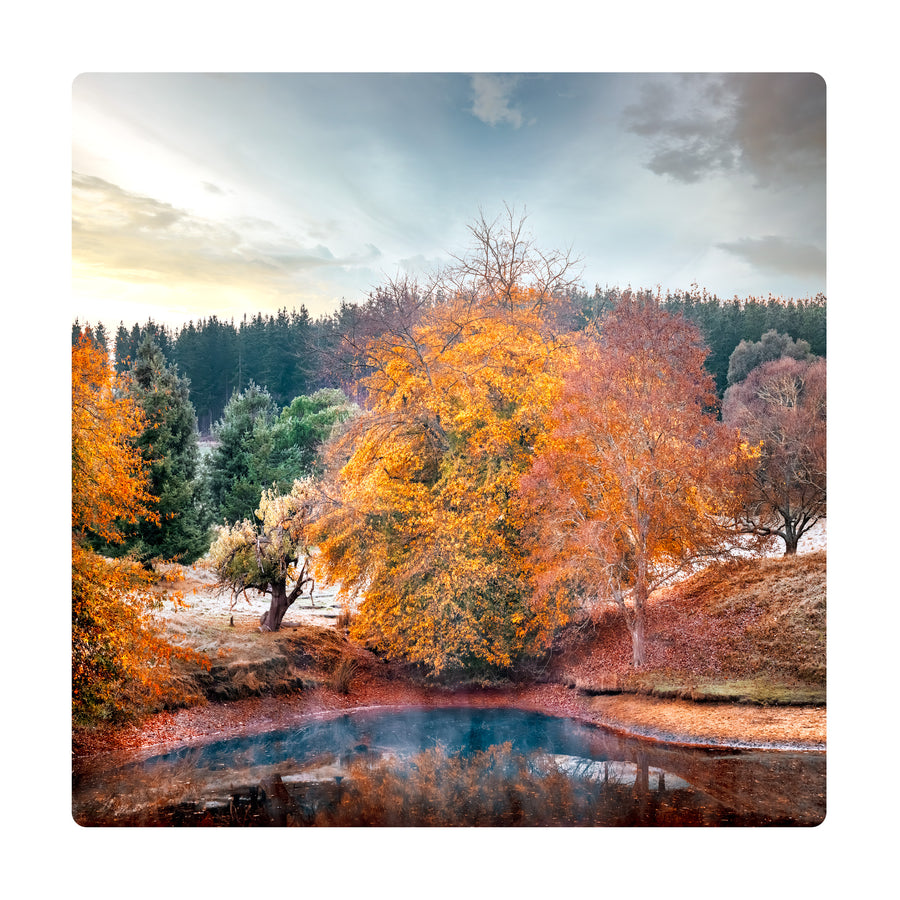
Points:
(760, 691)
(251, 664)
(343, 674)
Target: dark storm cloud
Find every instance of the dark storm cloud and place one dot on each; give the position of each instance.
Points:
(771, 126)
(780, 126)
(778, 254)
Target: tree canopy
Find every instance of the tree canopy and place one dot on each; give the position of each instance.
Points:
(423, 519)
(772, 345)
(269, 553)
(234, 484)
(637, 478)
(290, 353)
(110, 487)
(782, 405)
(261, 448)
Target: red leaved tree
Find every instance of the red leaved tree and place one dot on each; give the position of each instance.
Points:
(638, 477)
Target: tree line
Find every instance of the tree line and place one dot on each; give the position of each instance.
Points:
(289, 353)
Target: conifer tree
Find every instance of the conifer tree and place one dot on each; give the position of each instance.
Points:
(169, 446)
(233, 484)
(259, 450)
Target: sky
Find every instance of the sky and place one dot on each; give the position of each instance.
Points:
(228, 194)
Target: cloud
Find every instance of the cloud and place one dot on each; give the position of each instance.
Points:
(780, 126)
(121, 235)
(778, 254)
(492, 100)
(771, 126)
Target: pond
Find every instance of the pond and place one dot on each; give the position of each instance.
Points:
(451, 766)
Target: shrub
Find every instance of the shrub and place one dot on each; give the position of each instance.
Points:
(343, 674)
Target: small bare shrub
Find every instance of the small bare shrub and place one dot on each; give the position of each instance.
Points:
(345, 619)
(343, 674)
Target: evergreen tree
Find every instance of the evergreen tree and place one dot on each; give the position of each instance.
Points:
(261, 450)
(169, 447)
(125, 350)
(288, 449)
(231, 470)
(97, 335)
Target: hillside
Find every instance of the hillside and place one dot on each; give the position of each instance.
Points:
(749, 630)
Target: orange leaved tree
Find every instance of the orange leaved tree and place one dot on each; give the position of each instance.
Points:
(422, 518)
(110, 485)
(637, 479)
(117, 655)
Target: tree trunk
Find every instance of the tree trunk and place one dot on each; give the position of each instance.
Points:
(791, 535)
(638, 648)
(634, 621)
(271, 619)
(639, 596)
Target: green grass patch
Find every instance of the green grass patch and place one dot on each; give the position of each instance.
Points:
(760, 691)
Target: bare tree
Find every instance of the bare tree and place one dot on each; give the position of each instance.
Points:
(504, 258)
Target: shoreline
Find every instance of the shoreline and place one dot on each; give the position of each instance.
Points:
(723, 726)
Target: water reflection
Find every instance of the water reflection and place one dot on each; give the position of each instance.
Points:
(452, 767)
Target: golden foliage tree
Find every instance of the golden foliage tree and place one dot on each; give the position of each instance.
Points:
(118, 656)
(422, 518)
(109, 482)
(637, 479)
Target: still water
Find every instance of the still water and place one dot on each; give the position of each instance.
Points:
(459, 766)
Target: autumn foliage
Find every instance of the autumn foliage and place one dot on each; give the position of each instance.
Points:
(509, 467)
(424, 521)
(637, 479)
(109, 481)
(781, 405)
(509, 470)
(119, 658)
